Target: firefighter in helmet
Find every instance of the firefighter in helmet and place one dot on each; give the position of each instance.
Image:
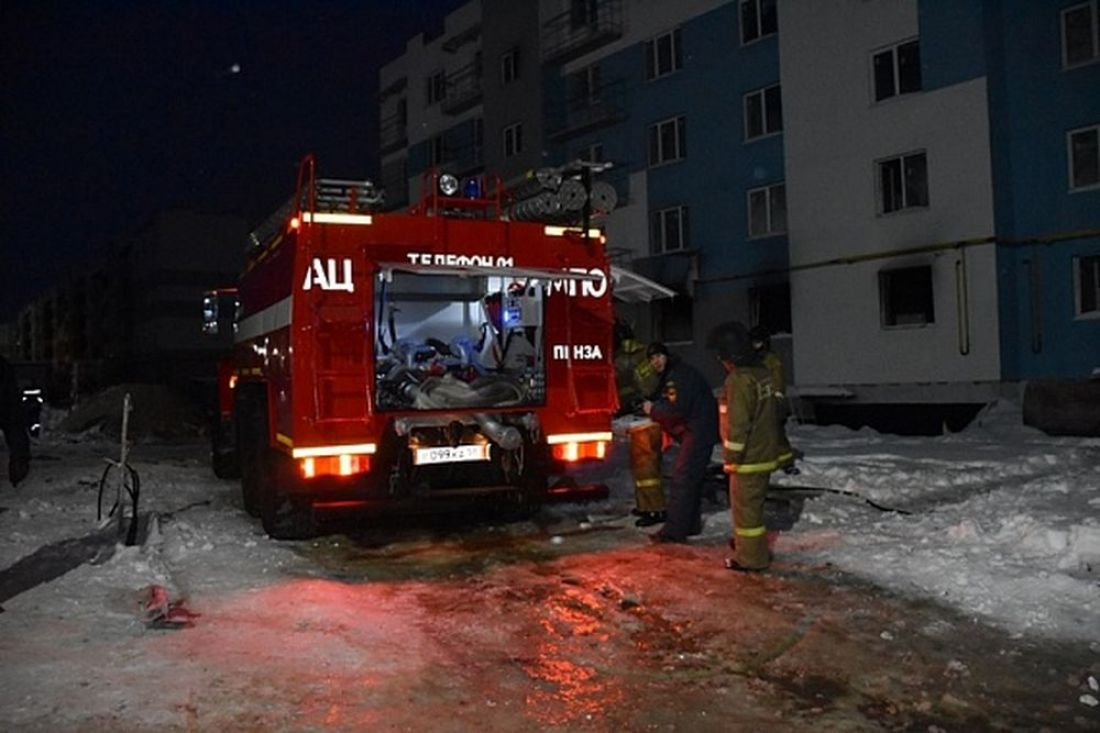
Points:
(761, 344)
(749, 425)
(638, 381)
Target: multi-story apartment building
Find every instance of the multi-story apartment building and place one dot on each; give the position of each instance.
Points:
(944, 203)
(906, 191)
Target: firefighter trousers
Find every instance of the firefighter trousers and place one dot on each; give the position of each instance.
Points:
(747, 493)
(645, 466)
(685, 489)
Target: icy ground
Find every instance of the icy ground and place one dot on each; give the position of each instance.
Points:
(999, 521)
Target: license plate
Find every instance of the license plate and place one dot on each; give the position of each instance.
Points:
(451, 454)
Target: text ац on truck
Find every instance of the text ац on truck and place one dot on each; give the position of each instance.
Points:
(446, 355)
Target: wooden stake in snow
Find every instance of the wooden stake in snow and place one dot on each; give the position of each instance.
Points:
(119, 503)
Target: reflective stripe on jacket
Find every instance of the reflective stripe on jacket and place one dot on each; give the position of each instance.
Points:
(749, 421)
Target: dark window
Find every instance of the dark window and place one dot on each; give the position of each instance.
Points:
(663, 55)
(1084, 158)
(1080, 34)
(585, 86)
(582, 12)
(667, 141)
(670, 229)
(758, 19)
(509, 66)
(674, 319)
(763, 112)
(768, 210)
(903, 182)
(513, 139)
(770, 306)
(897, 70)
(905, 296)
(1087, 282)
(436, 87)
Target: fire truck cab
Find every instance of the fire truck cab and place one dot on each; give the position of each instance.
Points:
(409, 360)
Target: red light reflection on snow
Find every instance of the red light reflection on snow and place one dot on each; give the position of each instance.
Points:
(566, 690)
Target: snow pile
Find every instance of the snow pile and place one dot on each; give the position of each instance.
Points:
(156, 412)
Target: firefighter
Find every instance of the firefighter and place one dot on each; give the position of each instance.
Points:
(638, 381)
(685, 409)
(14, 425)
(761, 344)
(750, 440)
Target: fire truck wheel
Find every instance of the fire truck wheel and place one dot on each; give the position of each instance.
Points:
(251, 438)
(284, 515)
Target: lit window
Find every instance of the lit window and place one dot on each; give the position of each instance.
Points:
(662, 55)
(670, 229)
(1084, 158)
(768, 210)
(513, 139)
(903, 182)
(667, 141)
(896, 70)
(905, 296)
(763, 112)
(1086, 280)
(758, 19)
(509, 66)
(1080, 34)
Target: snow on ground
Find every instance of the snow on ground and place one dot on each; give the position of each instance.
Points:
(1003, 522)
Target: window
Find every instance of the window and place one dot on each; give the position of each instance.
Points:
(436, 87)
(582, 13)
(763, 112)
(758, 19)
(903, 182)
(585, 86)
(437, 151)
(1080, 35)
(768, 210)
(513, 139)
(662, 55)
(1084, 158)
(905, 296)
(667, 141)
(670, 229)
(674, 319)
(509, 66)
(1086, 279)
(896, 70)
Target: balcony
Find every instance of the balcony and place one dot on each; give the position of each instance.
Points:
(463, 89)
(578, 114)
(392, 133)
(584, 27)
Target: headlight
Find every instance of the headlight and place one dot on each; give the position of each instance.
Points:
(448, 184)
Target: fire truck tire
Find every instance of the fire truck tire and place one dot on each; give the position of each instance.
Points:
(285, 515)
(251, 439)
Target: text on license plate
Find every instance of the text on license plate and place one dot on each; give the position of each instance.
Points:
(451, 454)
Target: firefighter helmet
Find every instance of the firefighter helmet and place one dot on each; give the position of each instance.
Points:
(731, 341)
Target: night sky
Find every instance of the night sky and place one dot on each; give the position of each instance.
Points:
(112, 111)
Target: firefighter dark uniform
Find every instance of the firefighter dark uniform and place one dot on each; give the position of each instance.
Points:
(750, 439)
(686, 410)
(14, 425)
(760, 338)
(637, 381)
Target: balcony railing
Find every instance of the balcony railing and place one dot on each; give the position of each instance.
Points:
(583, 28)
(581, 113)
(463, 89)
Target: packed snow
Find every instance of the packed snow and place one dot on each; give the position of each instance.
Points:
(999, 521)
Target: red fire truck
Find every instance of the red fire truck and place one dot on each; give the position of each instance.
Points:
(401, 360)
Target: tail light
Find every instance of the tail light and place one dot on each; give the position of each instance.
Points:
(573, 447)
(345, 464)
